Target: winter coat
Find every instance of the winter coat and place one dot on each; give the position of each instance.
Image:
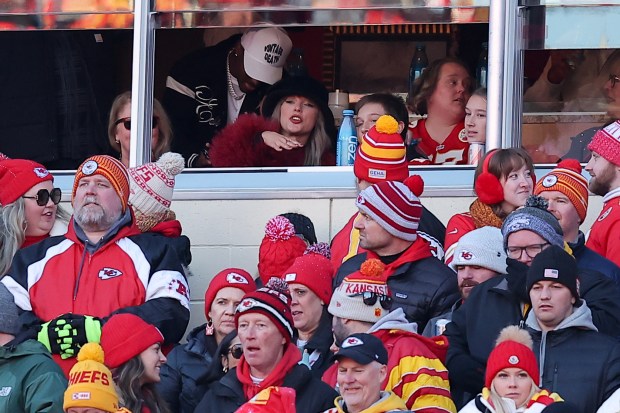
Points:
(345, 243)
(415, 369)
(576, 361)
(388, 402)
(588, 259)
(126, 271)
(317, 351)
(183, 374)
(536, 404)
(424, 288)
(312, 395)
(30, 381)
(495, 304)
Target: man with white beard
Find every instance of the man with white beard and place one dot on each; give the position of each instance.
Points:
(67, 286)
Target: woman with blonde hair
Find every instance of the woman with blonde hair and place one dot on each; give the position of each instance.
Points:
(510, 380)
(119, 128)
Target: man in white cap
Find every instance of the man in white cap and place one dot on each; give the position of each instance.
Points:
(209, 88)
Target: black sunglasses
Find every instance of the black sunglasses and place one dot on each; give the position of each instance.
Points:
(43, 196)
(614, 79)
(127, 122)
(370, 298)
(236, 351)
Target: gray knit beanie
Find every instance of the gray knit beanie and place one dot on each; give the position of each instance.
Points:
(534, 217)
(8, 312)
(481, 247)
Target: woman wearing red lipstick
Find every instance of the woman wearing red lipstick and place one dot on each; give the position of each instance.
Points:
(296, 129)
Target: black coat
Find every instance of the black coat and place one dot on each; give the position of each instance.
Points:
(423, 289)
(183, 376)
(321, 342)
(591, 260)
(312, 395)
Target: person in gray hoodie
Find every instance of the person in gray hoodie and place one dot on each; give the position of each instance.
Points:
(575, 360)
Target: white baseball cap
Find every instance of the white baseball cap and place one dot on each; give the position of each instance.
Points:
(265, 52)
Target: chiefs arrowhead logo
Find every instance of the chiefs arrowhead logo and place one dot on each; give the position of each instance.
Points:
(549, 181)
(234, 278)
(107, 273)
(40, 172)
(89, 167)
(290, 277)
(360, 200)
(352, 342)
(604, 214)
(466, 255)
(246, 304)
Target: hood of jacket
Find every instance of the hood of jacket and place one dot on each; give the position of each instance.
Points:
(387, 402)
(581, 317)
(26, 348)
(395, 320)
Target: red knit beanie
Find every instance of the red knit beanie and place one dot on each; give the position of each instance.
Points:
(112, 169)
(513, 349)
(125, 336)
(17, 176)
(606, 142)
(313, 270)
(279, 248)
(567, 179)
(381, 155)
(230, 277)
(272, 300)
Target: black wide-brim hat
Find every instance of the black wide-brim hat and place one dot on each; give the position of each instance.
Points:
(307, 87)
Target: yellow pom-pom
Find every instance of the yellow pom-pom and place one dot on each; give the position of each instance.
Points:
(91, 351)
(386, 124)
(372, 268)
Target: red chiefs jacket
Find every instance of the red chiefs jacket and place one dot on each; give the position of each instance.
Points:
(603, 236)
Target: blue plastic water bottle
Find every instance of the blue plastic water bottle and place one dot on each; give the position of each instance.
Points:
(347, 140)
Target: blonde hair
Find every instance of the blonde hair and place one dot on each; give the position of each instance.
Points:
(500, 405)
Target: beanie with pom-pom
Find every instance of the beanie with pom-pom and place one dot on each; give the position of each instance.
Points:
(348, 299)
(278, 249)
(151, 187)
(512, 350)
(567, 179)
(394, 205)
(534, 217)
(90, 382)
(313, 270)
(273, 301)
(381, 154)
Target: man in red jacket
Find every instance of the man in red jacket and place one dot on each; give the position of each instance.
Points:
(103, 265)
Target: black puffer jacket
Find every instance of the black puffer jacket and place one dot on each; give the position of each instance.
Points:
(575, 361)
(183, 375)
(423, 289)
(312, 395)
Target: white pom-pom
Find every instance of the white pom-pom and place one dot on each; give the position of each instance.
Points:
(514, 333)
(171, 163)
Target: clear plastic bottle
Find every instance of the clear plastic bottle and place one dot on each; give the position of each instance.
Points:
(347, 140)
(418, 64)
(483, 66)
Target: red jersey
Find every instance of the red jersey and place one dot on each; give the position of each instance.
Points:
(603, 236)
(453, 151)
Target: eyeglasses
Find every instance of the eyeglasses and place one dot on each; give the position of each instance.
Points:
(614, 79)
(370, 298)
(43, 196)
(530, 250)
(127, 122)
(236, 351)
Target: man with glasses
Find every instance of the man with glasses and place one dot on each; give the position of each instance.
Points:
(415, 372)
(67, 286)
(503, 300)
(390, 212)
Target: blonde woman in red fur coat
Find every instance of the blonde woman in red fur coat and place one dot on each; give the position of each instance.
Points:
(297, 130)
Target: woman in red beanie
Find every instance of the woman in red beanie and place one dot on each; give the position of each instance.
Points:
(189, 370)
(29, 205)
(511, 376)
(503, 180)
(132, 349)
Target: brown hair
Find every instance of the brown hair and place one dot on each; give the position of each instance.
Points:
(392, 105)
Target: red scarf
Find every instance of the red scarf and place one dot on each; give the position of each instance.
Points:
(289, 359)
(31, 240)
(171, 229)
(420, 249)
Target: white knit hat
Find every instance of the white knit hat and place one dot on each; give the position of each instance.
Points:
(483, 247)
(151, 187)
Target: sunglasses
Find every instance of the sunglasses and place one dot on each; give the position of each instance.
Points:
(614, 79)
(370, 298)
(236, 351)
(43, 196)
(127, 122)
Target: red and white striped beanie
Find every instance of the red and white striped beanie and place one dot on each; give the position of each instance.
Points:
(394, 205)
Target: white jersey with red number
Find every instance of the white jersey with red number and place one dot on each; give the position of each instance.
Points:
(453, 151)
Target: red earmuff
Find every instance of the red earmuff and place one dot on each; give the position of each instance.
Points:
(488, 188)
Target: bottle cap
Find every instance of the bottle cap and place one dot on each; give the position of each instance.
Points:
(348, 112)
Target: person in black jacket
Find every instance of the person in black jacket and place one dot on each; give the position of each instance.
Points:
(390, 213)
(503, 300)
(575, 360)
(190, 367)
(209, 88)
(265, 327)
